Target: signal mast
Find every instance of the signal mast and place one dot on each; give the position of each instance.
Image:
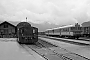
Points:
(26, 19)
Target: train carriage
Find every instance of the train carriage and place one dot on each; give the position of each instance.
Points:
(86, 31)
(26, 33)
(71, 31)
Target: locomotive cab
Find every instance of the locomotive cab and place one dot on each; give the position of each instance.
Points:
(25, 33)
(77, 30)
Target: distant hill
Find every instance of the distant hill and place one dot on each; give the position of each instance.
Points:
(45, 25)
(84, 24)
(41, 27)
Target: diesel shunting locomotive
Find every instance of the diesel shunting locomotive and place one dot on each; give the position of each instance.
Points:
(26, 33)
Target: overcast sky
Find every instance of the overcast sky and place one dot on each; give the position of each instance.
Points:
(40, 11)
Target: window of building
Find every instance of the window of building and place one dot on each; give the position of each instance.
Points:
(5, 26)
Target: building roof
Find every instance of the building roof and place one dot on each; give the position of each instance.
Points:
(86, 24)
(7, 23)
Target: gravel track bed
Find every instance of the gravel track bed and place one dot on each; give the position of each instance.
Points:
(52, 52)
(67, 41)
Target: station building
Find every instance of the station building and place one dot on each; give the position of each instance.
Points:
(7, 30)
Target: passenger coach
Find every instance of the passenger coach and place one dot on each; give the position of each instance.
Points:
(71, 31)
(86, 31)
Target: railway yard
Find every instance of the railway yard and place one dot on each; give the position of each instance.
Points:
(45, 30)
(47, 48)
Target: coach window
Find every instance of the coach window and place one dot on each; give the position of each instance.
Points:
(67, 29)
(52, 31)
(72, 28)
(62, 29)
(58, 30)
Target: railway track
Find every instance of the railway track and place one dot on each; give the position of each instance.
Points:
(53, 52)
(72, 41)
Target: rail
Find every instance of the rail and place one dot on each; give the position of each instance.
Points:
(47, 46)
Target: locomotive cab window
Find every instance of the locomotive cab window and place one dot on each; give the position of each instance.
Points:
(22, 30)
(33, 31)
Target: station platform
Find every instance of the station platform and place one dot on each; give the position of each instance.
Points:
(87, 42)
(76, 41)
(11, 50)
(83, 50)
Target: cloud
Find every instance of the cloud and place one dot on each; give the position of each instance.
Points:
(40, 11)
